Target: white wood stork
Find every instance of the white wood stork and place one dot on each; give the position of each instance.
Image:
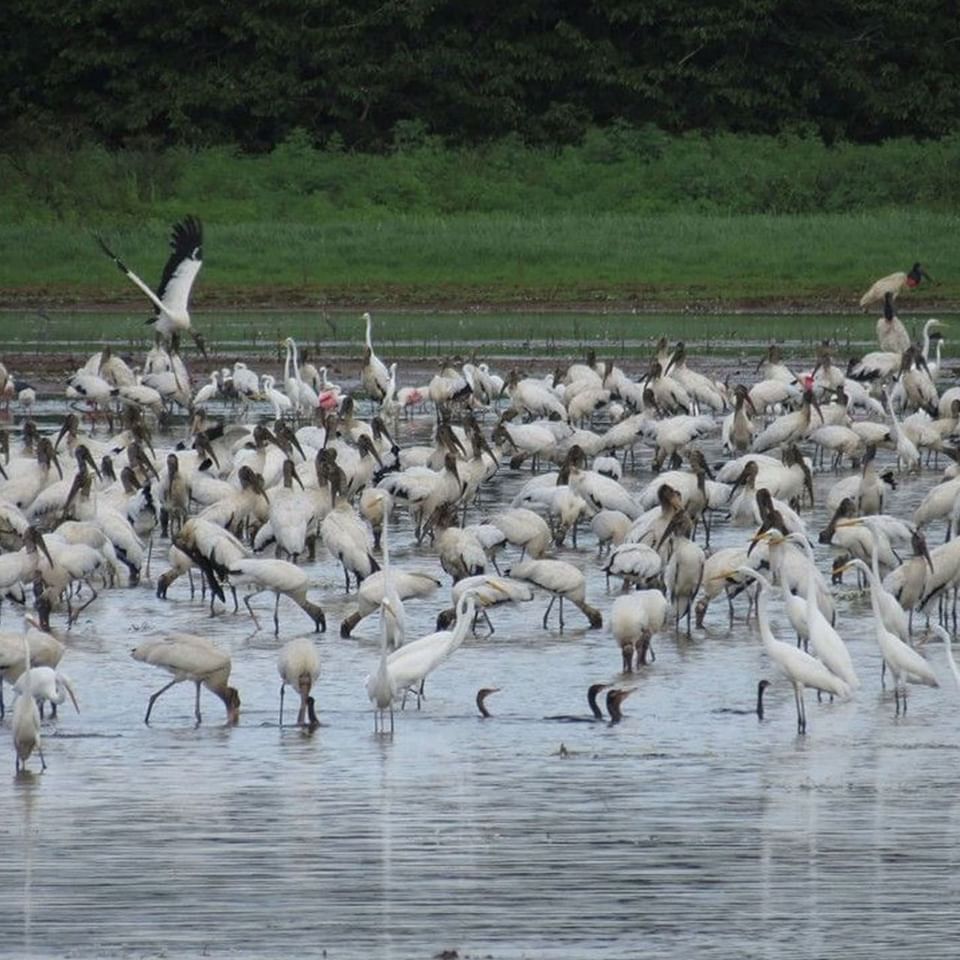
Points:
(173, 295)
(281, 578)
(635, 618)
(298, 664)
(190, 657)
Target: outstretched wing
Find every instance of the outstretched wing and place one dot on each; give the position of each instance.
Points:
(182, 267)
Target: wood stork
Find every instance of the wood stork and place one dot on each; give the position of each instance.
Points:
(635, 618)
(683, 571)
(562, 580)
(298, 664)
(282, 579)
(490, 591)
(893, 284)
(194, 658)
(409, 584)
(173, 295)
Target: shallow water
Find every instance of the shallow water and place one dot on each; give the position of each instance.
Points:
(680, 832)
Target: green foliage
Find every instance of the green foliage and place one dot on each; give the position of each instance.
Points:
(385, 75)
(619, 169)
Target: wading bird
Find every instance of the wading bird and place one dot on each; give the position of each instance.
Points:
(189, 657)
(299, 666)
(172, 297)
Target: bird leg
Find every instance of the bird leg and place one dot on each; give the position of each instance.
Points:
(282, 685)
(75, 615)
(153, 699)
(196, 710)
(276, 616)
(801, 713)
(246, 601)
(547, 614)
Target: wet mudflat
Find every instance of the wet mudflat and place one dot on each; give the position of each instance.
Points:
(681, 831)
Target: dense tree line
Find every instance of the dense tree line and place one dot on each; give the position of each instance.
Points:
(368, 73)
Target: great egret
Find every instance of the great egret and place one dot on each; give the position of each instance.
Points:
(801, 669)
(827, 643)
(26, 720)
(904, 662)
(409, 666)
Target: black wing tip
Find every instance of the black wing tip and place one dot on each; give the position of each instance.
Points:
(187, 235)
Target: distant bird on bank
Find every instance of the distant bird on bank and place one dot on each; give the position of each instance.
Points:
(172, 297)
(894, 283)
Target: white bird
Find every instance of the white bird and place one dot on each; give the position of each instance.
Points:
(683, 571)
(827, 643)
(907, 454)
(561, 579)
(409, 666)
(797, 666)
(904, 662)
(944, 635)
(189, 657)
(46, 685)
(301, 395)
(892, 284)
(408, 583)
(180, 271)
(374, 375)
(298, 664)
(26, 720)
(281, 578)
(635, 618)
(490, 591)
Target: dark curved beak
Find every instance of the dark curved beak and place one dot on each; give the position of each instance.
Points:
(42, 544)
(88, 457)
(63, 430)
(816, 406)
(296, 476)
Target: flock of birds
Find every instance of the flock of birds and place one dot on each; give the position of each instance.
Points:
(245, 501)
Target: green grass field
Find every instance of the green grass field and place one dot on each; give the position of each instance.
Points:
(499, 258)
(628, 217)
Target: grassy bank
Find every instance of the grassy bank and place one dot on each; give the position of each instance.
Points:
(629, 216)
(668, 259)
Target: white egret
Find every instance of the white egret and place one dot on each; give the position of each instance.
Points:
(905, 664)
(801, 669)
